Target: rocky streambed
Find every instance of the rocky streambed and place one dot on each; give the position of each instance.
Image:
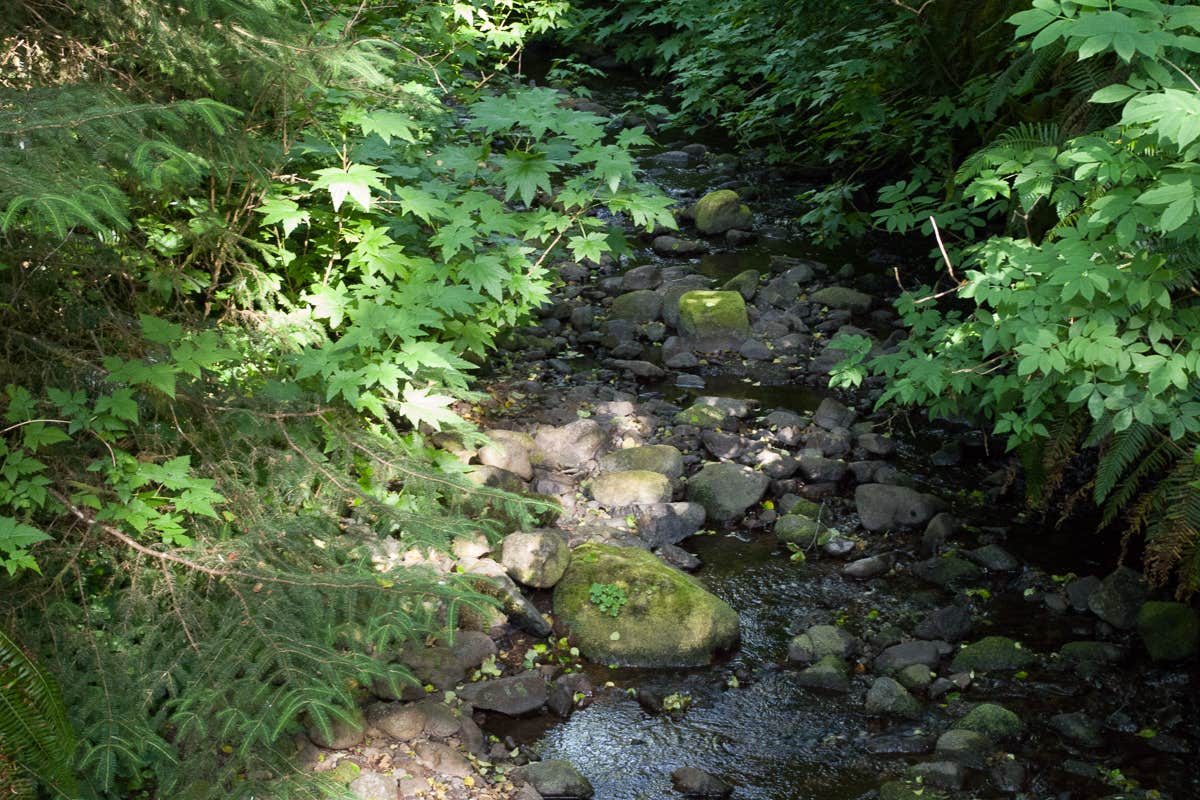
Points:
(757, 587)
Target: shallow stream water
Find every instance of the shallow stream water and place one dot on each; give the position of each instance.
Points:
(773, 739)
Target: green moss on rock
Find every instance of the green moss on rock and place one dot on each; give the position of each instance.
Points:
(708, 315)
(721, 210)
(1171, 631)
(669, 620)
(992, 653)
(991, 720)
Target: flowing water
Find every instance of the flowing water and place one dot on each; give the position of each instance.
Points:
(775, 740)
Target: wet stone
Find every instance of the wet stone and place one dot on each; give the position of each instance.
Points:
(965, 747)
(887, 697)
(952, 572)
(1080, 590)
(870, 567)
(692, 782)
(991, 720)
(820, 641)
(905, 654)
(513, 696)
(939, 774)
(829, 674)
(993, 558)
(992, 653)
(951, 624)
(1119, 598)
(555, 778)
(1078, 728)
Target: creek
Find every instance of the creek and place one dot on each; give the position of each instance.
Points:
(750, 721)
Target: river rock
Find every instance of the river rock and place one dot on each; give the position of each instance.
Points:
(993, 721)
(513, 696)
(993, 558)
(798, 529)
(1119, 598)
(832, 414)
(700, 415)
(992, 653)
(725, 446)
(669, 619)
(564, 690)
(714, 319)
(1170, 631)
(338, 732)
(754, 350)
(668, 523)
(881, 506)
(820, 641)
(915, 677)
(829, 674)
(677, 557)
(899, 656)
(816, 468)
(636, 367)
(441, 759)
(555, 778)
(1085, 652)
(948, 572)
(887, 697)
(647, 276)
(535, 558)
(1080, 590)
(950, 624)
(496, 478)
(940, 530)
(833, 444)
(938, 774)
(844, 298)
(720, 211)
(744, 283)
(869, 567)
(492, 579)
(630, 488)
(674, 246)
(371, 785)
(640, 307)
(876, 444)
(654, 457)
(726, 490)
(1079, 728)
(692, 782)
(966, 747)
(774, 464)
(508, 450)
(571, 445)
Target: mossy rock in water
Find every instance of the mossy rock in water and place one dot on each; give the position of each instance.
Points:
(713, 316)
(799, 529)
(668, 620)
(993, 721)
(721, 210)
(701, 416)
(843, 298)
(744, 283)
(992, 653)
(1171, 631)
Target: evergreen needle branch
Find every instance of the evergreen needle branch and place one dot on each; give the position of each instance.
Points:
(195, 566)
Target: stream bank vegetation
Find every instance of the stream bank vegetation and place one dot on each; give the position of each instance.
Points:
(1054, 147)
(252, 250)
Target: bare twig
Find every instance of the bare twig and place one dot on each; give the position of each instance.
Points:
(941, 246)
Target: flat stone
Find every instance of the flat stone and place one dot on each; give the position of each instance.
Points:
(630, 488)
(655, 458)
(899, 656)
(555, 778)
(992, 653)
(513, 696)
(692, 782)
(820, 641)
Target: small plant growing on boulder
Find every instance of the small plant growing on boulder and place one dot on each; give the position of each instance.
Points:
(608, 596)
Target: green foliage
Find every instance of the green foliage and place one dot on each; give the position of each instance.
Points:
(608, 597)
(253, 250)
(36, 741)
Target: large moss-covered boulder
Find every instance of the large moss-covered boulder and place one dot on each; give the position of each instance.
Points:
(713, 318)
(991, 720)
(1171, 631)
(668, 619)
(721, 210)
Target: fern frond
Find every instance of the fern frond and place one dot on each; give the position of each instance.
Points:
(37, 744)
(1120, 452)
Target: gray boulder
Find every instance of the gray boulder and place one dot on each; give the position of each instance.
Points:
(844, 298)
(668, 523)
(969, 748)
(830, 674)
(832, 414)
(991, 720)
(887, 697)
(820, 641)
(655, 458)
(1119, 598)
(992, 653)
(692, 782)
(720, 211)
(905, 654)
(881, 506)
(513, 696)
(950, 624)
(640, 306)
(535, 558)
(508, 450)
(1170, 631)
(726, 490)
(630, 488)
(555, 778)
(371, 785)
(571, 445)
